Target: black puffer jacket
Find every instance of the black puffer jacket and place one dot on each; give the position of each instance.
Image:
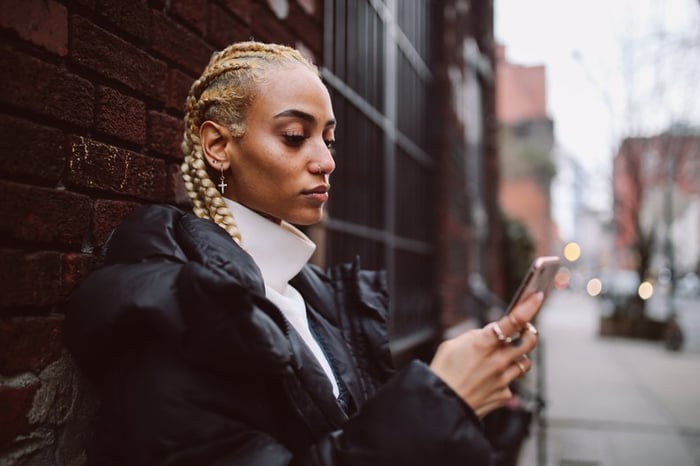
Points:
(196, 367)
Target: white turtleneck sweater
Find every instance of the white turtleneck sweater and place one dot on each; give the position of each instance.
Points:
(281, 251)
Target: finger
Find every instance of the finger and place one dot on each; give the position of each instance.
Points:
(521, 314)
(496, 400)
(518, 368)
(526, 343)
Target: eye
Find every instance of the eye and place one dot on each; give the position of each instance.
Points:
(294, 140)
(330, 144)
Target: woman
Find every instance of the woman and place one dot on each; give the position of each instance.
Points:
(214, 343)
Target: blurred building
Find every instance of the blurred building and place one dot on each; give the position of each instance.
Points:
(656, 189)
(92, 99)
(526, 139)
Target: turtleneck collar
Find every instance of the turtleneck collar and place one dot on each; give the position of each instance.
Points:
(280, 250)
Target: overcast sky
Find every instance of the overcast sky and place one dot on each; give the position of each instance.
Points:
(614, 68)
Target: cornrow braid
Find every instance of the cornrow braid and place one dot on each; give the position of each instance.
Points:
(223, 93)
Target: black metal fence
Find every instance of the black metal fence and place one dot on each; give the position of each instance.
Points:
(376, 64)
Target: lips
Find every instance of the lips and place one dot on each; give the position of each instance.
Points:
(318, 193)
(320, 189)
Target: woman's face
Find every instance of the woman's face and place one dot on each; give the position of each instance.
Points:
(280, 166)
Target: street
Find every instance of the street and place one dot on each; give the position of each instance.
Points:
(614, 401)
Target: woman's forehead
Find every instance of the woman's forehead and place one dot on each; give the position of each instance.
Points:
(284, 88)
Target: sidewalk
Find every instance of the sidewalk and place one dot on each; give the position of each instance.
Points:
(612, 401)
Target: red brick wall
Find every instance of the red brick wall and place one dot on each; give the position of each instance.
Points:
(90, 111)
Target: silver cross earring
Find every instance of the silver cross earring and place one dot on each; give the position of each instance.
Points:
(222, 182)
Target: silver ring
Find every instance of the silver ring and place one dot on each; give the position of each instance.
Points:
(502, 338)
(531, 328)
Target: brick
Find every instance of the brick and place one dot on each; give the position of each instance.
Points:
(113, 58)
(20, 350)
(178, 87)
(75, 267)
(267, 28)
(36, 86)
(193, 12)
(41, 22)
(179, 45)
(120, 115)
(240, 8)
(131, 16)
(43, 215)
(29, 279)
(225, 29)
(42, 159)
(102, 167)
(16, 396)
(165, 134)
(106, 216)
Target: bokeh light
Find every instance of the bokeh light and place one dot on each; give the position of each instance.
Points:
(594, 286)
(572, 251)
(646, 290)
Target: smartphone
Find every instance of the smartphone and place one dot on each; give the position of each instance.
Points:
(539, 277)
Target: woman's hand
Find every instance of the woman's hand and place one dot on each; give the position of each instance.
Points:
(480, 365)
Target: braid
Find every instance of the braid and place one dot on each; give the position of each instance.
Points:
(223, 93)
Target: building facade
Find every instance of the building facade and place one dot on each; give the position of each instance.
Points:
(91, 107)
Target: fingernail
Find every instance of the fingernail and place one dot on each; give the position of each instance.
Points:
(540, 296)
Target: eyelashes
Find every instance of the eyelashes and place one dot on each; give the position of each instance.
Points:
(296, 140)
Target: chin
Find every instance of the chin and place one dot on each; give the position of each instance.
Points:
(306, 218)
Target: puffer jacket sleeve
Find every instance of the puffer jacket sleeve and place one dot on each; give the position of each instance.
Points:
(413, 420)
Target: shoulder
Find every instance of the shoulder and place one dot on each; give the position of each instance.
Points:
(147, 231)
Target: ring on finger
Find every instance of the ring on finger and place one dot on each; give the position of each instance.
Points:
(531, 328)
(502, 338)
(516, 324)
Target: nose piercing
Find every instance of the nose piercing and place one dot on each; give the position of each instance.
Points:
(320, 170)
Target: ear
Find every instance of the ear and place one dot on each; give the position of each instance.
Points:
(215, 140)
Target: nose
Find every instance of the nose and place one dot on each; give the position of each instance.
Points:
(324, 164)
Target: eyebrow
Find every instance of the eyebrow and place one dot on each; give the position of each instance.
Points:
(302, 116)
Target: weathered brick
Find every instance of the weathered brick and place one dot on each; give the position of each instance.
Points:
(240, 8)
(120, 115)
(224, 29)
(42, 159)
(179, 45)
(43, 215)
(107, 168)
(16, 396)
(131, 16)
(29, 279)
(178, 87)
(30, 343)
(36, 86)
(107, 215)
(267, 28)
(42, 22)
(193, 12)
(114, 58)
(165, 134)
(75, 268)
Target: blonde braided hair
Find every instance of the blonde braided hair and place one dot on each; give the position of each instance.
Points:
(223, 94)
